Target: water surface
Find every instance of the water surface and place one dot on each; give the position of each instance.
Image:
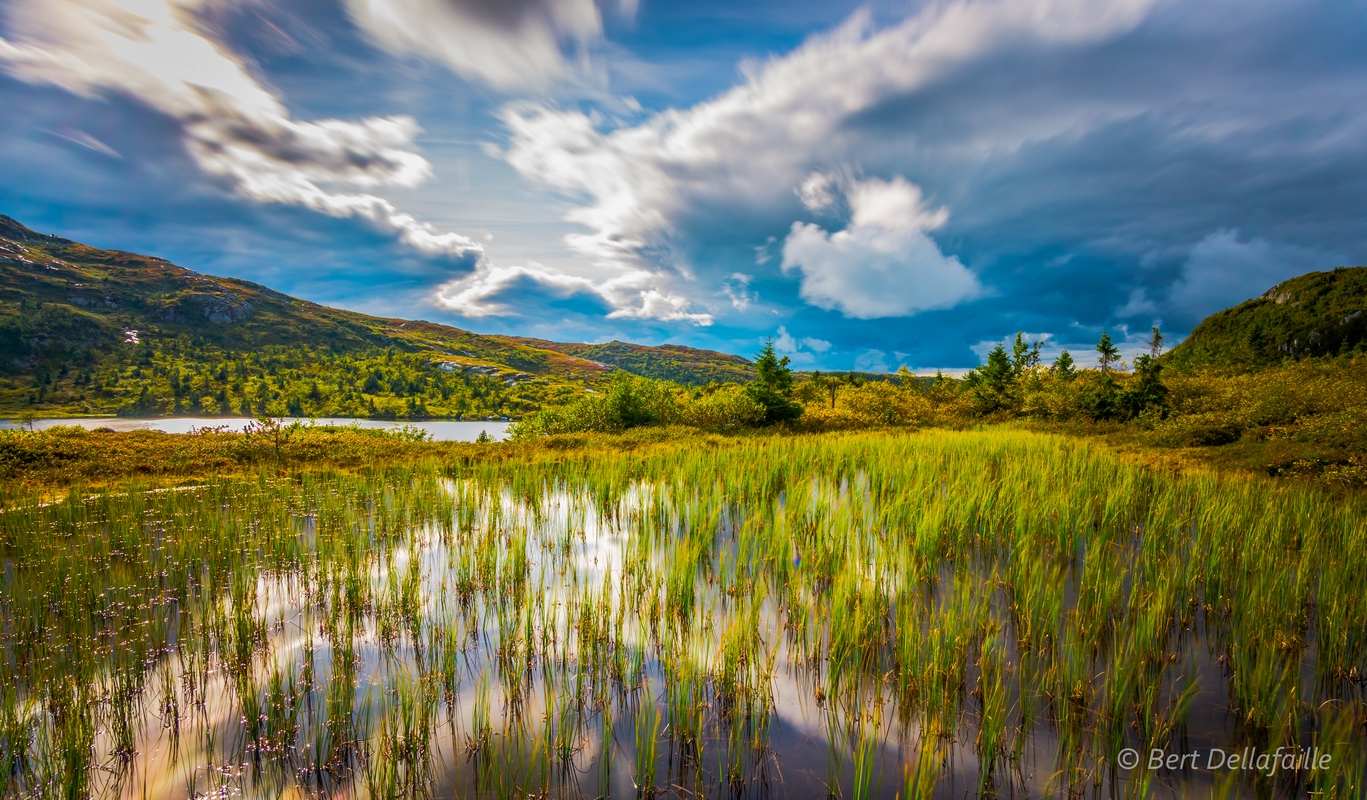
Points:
(441, 430)
(948, 615)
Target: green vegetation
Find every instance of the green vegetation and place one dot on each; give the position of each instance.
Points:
(772, 388)
(631, 402)
(1317, 314)
(628, 402)
(65, 455)
(183, 375)
(1301, 418)
(996, 613)
(87, 331)
(671, 362)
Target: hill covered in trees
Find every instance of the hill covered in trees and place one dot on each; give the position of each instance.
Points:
(91, 331)
(1316, 314)
(671, 362)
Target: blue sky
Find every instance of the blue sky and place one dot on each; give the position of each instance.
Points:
(870, 184)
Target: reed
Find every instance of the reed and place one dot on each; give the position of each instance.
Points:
(1001, 612)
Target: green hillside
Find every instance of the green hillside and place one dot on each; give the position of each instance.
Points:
(1317, 314)
(670, 362)
(90, 331)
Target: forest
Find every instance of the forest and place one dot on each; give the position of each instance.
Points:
(192, 377)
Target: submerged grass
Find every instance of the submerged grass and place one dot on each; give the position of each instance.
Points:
(984, 613)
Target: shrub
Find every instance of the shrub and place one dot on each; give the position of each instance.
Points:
(728, 408)
(872, 403)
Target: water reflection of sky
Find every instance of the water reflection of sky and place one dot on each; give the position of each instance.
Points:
(575, 553)
(441, 430)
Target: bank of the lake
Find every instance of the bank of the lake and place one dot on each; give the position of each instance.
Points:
(439, 430)
(66, 455)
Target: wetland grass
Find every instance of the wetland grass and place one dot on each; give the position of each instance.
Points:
(924, 615)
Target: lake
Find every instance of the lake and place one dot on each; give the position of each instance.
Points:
(441, 430)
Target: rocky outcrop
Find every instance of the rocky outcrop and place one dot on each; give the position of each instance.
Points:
(219, 308)
(94, 302)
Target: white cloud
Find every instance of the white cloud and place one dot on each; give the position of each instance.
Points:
(158, 52)
(785, 343)
(478, 295)
(871, 361)
(816, 191)
(492, 291)
(87, 141)
(505, 43)
(1049, 346)
(762, 255)
(798, 351)
(894, 205)
(801, 352)
(665, 307)
(883, 264)
(737, 288)
(637, 188)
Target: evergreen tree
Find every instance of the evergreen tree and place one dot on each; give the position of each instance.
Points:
(1063, 366)
(994, 385)
(1109, 353)
(1102, 400)
(1024, 356)
(1146, 390)
(1258, 346)
(773, 386)
(1155, 343)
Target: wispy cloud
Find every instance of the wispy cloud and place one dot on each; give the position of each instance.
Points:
(509, 44)
(234, 127)
(87, 141)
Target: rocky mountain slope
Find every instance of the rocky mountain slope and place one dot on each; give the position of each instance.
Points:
(1316, 314)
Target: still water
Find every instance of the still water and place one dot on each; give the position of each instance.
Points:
(441, 430)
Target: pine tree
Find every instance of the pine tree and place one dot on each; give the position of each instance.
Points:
(1063, 366)
(1024, 356)
(1147, 389)
(773, 386)
(1155, 343)
(1109, 353)
(994, 385)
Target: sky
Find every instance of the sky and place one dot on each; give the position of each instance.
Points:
(868, 185)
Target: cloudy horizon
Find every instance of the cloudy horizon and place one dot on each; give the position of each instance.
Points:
(870, 185)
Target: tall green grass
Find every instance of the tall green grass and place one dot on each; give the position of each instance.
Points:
(990, 613)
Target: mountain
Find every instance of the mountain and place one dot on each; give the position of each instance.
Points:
(1316, 314)
(670, 362)
(85, 330)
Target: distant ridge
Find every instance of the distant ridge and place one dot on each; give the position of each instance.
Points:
(1316, 314)
(672, 362)
(64, 303)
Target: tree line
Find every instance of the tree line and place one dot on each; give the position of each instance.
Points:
(175, 376)
(1011, 383)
